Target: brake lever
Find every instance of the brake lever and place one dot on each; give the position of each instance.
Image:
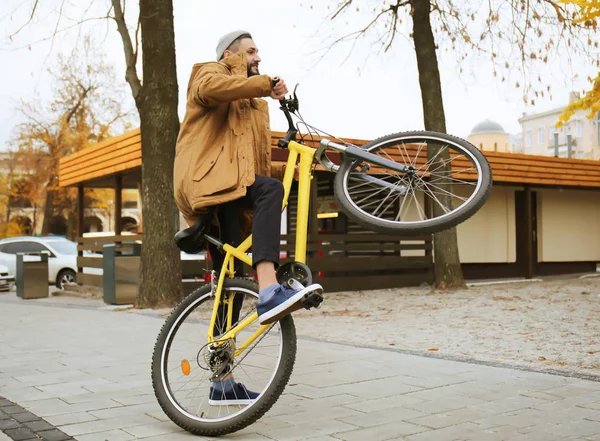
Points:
(295, 101)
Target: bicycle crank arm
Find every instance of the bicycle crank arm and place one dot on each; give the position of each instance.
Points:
(402, 189)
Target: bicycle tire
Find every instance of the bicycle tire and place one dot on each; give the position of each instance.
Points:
(252, 413)
(428, 226)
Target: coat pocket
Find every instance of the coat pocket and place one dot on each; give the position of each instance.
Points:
(218, 173)
(206, 163)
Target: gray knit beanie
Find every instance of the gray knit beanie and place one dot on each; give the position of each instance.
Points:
(227, 39)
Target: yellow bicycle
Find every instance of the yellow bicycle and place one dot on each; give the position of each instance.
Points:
(406, 183)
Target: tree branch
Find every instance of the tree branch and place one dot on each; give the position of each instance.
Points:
(14, 34)
(137, 36)
(82, 97)
(341, 9)
(131, 75)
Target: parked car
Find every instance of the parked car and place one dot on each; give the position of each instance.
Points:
(6, 279)
(62, 256)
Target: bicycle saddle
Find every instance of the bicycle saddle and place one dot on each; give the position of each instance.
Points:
(191, 240)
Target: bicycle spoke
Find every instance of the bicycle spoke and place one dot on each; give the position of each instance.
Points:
(442, 163)
(446, 209)
(438, 169)
(385, 199)
(459, 181)
(445, 191)
(420, 210)
(192, 392)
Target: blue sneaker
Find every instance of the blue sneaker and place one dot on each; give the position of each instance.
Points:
(230, 393)
(277, 301)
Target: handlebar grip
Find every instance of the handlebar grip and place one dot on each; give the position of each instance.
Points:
(274, 81)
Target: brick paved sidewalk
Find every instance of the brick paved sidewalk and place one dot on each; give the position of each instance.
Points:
(85, 369)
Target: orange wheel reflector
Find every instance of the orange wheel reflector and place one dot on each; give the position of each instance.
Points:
(185, 367)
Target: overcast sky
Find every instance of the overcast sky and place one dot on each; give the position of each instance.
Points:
(366, 96)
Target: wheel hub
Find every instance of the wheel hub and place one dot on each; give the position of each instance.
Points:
(218, 359)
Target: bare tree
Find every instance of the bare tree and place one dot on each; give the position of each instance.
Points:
(156, 98)
(515, 35)
(85, 108)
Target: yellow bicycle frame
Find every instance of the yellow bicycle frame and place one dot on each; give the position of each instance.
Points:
(306, 155)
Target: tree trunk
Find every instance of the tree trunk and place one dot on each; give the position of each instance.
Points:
(448, 272)
(48, 212)
(34, 227)
(160, 269)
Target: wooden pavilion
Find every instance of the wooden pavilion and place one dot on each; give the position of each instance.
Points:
(542, 217)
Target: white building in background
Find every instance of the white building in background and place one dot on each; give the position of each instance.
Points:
(538, 133)
(489, 136)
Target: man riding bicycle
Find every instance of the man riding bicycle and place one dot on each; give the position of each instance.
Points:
(223, 160)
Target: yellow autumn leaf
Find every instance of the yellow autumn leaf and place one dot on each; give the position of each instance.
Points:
(588, 13)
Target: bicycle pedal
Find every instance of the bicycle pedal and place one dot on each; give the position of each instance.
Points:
(311, 300)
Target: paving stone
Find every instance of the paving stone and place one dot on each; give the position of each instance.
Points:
(452, 418)
(538, 436)
(4, 402)
(111, 435)
(445, 404)
(325, 427)
(39, 425)
(383, 403)
(378, 417)
(70, 418)
(579, 428)
(4, 437)
(9, 424)
(25, 417)
(595, 405)
(183, 436)
(521, 418)
(513, 403)
(54, 435)
(380, 432)
(107, 424)
(20, 434)
(319, 413)
(11, 410)
(463, 431)
(155, 429)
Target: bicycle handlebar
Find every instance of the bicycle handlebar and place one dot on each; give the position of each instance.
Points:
(291, 132)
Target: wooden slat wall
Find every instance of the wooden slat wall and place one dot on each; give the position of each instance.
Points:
(124, 153)
(365, 260)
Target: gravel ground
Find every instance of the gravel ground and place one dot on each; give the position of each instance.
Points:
(542, 325)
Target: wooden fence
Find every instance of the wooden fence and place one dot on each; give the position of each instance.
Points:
(342, 262)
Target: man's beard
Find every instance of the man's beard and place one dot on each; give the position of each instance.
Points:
(251, 72)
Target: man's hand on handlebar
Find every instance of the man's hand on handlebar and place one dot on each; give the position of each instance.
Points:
(279, 89)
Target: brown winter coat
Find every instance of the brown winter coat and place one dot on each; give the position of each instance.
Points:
(224, 139)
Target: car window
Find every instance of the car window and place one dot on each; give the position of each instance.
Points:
(64, 247)
(12, 248)
(25, 247)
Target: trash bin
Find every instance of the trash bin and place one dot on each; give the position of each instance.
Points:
(32, 276)
(121, 275)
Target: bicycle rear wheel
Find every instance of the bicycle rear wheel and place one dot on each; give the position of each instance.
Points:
(447, 180)
(182, 363)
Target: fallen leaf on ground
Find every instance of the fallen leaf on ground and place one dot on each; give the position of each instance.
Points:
(432, 349)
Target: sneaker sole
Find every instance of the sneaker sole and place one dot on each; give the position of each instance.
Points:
(230, 402)
(290, 305)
